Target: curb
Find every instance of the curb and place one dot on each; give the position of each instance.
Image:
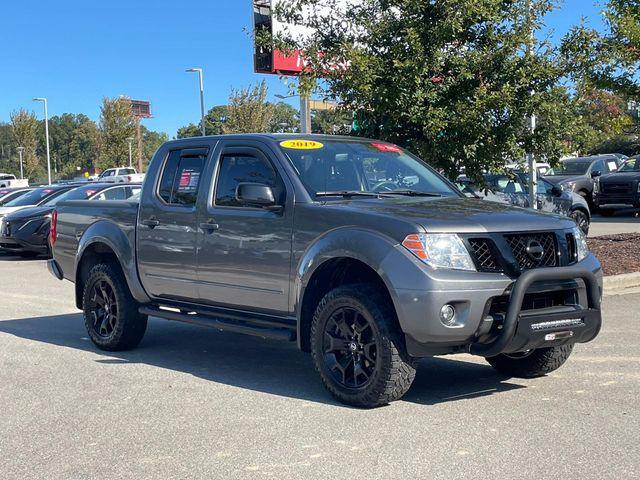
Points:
(615, 284)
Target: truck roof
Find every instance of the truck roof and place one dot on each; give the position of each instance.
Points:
(273, 137)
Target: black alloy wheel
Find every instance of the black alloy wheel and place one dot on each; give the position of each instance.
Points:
(350, 348)
(111, 314)
(103, 307)
(357, 347)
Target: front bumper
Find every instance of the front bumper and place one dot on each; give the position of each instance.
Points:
(631, 199)
(487, 304)
(549, 326)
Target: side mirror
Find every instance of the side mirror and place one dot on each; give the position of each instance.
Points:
(596, 173)
(255, 195)
(556, 191)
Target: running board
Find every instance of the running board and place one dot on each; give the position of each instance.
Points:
(276, 333)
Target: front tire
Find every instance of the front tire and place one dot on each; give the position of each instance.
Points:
(110, 311)
(357, 349)
(535, 363)
(581, 219)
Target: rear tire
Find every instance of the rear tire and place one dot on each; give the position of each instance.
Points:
(110, 311)
(357, 348)
(536, 363)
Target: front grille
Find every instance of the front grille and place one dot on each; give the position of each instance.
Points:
(533, 250)
(484, 255)
(616, 187)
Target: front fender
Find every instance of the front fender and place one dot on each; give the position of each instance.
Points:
(367, 246)
(122, 245)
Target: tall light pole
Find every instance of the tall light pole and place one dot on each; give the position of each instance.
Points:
(533, 173)
(130, 140)
(20, 150)
(46, 133)
(199, 71)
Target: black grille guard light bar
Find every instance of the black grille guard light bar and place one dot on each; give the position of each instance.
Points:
(516, 299)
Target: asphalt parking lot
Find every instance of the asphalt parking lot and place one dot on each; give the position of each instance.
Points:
(196, 403)
(624, 222)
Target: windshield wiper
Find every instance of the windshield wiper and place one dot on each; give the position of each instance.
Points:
(347, 194)
(411, 193)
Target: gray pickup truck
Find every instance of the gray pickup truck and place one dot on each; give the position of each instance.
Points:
(354, 248)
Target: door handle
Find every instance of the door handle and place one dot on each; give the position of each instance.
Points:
(151, 222)
(209, 226)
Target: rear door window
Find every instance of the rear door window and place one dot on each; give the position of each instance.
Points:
(180, 181)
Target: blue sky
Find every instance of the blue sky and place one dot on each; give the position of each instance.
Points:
(76, 52)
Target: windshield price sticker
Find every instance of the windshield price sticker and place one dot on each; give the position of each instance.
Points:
(301, 144)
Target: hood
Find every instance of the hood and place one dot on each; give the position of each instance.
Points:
(458, 215)
(558, 179)
(29, 212)
(7, 210)
(620, 177)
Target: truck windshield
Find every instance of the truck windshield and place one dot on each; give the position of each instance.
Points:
(570, 168)
(338, 166)
(632, 165)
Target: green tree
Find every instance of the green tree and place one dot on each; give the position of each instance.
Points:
(284, 119)
(602, 121)
(248, 110)
(609, 60)
(332, 122)
(151, 141)
(214, 121)
(9, 161)
(449, 80)
(117, 124)
(26, 131)
(75, 141)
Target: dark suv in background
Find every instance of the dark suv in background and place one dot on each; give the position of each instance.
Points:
(578, 174)
(620, 189)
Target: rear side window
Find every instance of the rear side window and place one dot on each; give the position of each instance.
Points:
(236, 169)
(180, 179)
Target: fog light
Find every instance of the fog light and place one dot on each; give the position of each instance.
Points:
(448, 315)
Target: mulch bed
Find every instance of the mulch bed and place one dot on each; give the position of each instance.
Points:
(617, 253)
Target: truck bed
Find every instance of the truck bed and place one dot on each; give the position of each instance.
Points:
(77, 216)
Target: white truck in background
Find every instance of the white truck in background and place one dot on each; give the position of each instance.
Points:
(10, 181)
(120, 175)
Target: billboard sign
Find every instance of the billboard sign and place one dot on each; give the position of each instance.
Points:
(275, 61)
(141, 108)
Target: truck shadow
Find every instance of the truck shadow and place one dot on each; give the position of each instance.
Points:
(266, 366)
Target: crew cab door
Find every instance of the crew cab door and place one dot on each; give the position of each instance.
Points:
(168, 227)
(244, 253)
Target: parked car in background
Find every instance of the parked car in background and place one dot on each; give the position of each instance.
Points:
(514, 189)
(121, 175)
(620, 189)
(541, 167)
(34, 198)
(26, 232)
(578, 174)
(8, 194)
(7, 180)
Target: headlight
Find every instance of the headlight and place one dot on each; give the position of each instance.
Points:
(582, 249)
(638, 190)
(596, 185)
(440, 250)
(569, 186)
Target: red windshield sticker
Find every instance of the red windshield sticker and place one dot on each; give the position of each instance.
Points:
(90, 192)
(387, 147)
(185, 179)
(47, 191)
